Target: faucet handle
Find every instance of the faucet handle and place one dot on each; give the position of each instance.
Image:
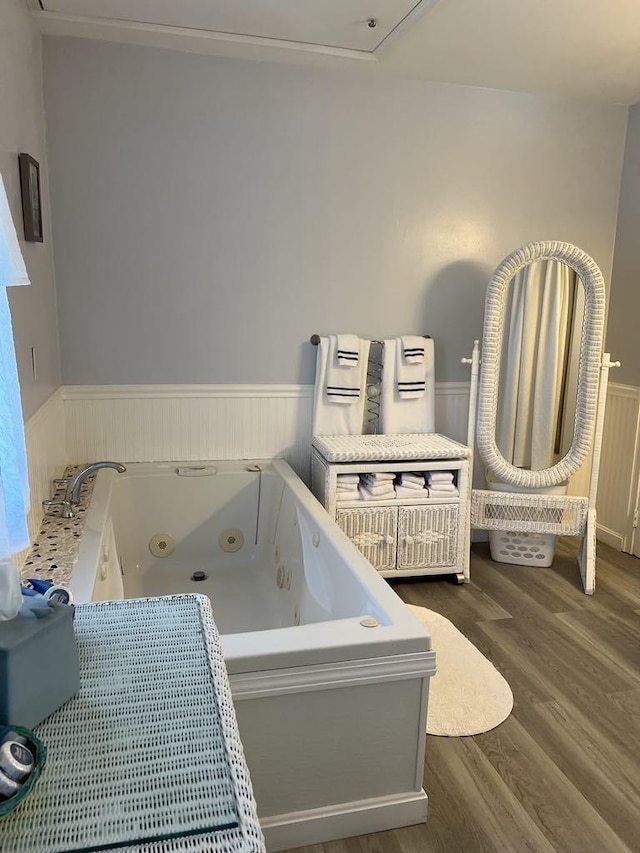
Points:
(67, 511)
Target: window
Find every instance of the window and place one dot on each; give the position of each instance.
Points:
(14, 487)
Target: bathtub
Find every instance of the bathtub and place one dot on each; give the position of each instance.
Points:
(329, 670)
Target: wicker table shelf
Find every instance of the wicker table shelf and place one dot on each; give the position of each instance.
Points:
(147, 756)
(401, 536)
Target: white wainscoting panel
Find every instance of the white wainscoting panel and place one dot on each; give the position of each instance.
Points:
(161, 422)
(152, 423)
(618, 483)
(46, 458)
(452, 409)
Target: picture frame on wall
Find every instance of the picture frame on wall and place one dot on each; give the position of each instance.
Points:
(31, 199)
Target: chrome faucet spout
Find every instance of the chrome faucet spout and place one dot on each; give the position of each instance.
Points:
(73, 488)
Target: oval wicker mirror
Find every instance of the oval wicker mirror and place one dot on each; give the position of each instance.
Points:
(589, 362)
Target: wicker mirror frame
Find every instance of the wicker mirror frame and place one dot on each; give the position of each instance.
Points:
(588, 370)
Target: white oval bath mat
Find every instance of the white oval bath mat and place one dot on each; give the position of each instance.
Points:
(467, 695)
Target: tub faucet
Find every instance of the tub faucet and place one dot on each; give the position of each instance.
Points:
(73, 487)
(72, 491)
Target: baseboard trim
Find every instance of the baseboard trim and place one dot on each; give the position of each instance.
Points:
(315, 826)
(609, 537)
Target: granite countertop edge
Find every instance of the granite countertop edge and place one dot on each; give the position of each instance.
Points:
(55, 549)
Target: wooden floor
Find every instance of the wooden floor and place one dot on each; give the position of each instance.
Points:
(562, 773)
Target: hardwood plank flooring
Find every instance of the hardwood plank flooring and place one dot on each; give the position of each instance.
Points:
(562, 773)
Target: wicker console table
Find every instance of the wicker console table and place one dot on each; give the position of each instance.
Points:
(147, 756)
(401, 536)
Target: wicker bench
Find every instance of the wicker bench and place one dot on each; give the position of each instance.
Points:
(401, 536)
(147, 756)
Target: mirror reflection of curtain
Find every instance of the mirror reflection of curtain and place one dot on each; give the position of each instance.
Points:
(537, 373)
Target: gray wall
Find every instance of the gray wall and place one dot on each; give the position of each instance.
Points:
(623, 331)
(33, 309)
(210, 214)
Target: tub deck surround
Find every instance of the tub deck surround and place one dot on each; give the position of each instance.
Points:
(329, 671)
(57, 545)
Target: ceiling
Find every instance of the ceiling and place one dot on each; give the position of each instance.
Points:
(571, 48)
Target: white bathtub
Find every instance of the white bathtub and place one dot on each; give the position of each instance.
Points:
(331, 711)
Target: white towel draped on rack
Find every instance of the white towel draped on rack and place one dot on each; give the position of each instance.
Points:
(340, 390)
(407, 408)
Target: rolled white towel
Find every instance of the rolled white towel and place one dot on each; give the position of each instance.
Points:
(408, 492)
(366, 495)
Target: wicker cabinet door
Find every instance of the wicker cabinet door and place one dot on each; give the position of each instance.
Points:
(427, 536)
(374, 532)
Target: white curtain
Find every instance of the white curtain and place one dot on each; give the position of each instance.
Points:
(535, 363)
(14, 487)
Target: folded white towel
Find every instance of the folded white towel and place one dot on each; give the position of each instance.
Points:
(366, 495)
(378, 477)
(347, 350)
(443, 489)
(342, 496)
(402, 413)
(412, 349)
(348, 487)
(407, 477)
(348, 479)
(408, 492)
(439, 477)
(409, 485)
(330, 414)
(380, 489)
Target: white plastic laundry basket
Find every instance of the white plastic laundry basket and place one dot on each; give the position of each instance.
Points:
(523, 549)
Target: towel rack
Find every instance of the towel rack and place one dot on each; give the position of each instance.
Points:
(315, 339)
(374, 378)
